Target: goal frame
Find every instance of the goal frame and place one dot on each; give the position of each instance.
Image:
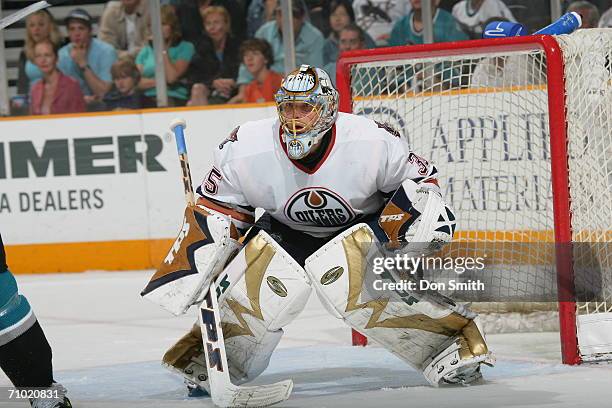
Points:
(558, 146)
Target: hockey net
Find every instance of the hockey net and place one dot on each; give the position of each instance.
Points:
(520, 130)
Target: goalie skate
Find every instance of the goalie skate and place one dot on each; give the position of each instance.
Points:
(455, 364)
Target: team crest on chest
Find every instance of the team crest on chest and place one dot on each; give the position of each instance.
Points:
(320, 207)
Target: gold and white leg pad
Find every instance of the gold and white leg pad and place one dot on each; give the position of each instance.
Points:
(412, 327)
(272, 291)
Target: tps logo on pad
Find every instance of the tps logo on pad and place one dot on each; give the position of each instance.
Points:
(318, 206)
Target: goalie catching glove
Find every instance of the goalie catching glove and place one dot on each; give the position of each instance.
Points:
(416, 219)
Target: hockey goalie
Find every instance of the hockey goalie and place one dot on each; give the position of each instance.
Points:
(334, 187)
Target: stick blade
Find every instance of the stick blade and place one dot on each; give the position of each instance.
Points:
(24, 12)
(252, 396)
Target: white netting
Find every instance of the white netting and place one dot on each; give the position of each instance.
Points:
(587, 56)
(483, 119)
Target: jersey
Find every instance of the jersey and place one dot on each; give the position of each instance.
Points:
(364, 163)
(471, 21)
(377, 17)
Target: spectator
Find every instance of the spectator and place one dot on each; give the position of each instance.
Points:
(606, 19)
(507, 71)
(257, 57)
(409, 29)
(85, 58)
(341, 15)
(260, 12)
(377, 17)
(125, 93)
(308, 42)
(56, 92)
(177, 55)
(215, 64)
(317, 13)
(351, 38)
(470, 14)
(124, 26)
(39, 26)
(588, 12)
(190, 17)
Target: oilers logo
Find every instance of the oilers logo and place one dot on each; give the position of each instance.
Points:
(296, 148)
(318, 206)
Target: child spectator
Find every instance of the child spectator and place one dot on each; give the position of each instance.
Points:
(85, 58)
(124, 25)
(215, 64)
(39, 26)
(470, 14)
(56, 92)
(125, 93)
(377, 17)
(257, 57)
(341, 15)
(177, 55)
(409, 29)
(308, 42)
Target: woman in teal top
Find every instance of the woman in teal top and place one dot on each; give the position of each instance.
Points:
(177, 56)
(409, 29)
(39, 26)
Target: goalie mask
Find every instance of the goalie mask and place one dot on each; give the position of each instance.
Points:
(307, 105)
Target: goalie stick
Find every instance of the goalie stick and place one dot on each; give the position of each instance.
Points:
(26, 11)
(223, 392)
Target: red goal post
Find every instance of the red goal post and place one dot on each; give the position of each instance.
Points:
(442, 76)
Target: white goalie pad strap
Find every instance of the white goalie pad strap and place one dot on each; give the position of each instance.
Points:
(271, 291)
(201, 250)
(410, 326)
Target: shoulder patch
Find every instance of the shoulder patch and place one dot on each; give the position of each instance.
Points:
(233, 137)
(388, 128)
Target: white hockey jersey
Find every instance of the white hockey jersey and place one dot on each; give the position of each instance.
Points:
(363, 161)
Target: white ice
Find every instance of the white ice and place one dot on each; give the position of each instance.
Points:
(107, 343)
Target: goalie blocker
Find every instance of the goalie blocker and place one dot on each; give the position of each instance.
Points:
(205, 243)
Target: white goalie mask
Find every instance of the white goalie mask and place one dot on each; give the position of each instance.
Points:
(307, 105)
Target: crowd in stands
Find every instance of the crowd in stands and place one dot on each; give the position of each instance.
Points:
(227, 51)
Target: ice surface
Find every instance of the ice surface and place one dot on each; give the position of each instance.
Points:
(107, 343)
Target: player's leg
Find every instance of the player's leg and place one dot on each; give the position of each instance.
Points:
(25, 354)
(425, 329)
(271, 293)
(429, 332)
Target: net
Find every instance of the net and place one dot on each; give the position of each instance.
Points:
(483, 116)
